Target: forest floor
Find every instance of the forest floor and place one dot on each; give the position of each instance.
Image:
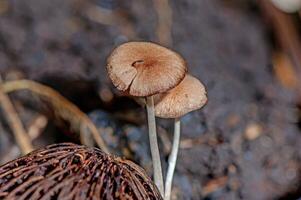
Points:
(245, 144)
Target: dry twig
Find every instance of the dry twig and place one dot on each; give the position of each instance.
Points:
(214, 185)
(15, 123)
(111, 18)
(286, 33)
(164, 26)
(37, 126)
(63, 108)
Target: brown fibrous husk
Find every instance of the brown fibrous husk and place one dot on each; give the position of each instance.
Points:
(69, 171)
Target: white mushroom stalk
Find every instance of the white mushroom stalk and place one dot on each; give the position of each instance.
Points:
(189, 95)
(172, 160)
(158, 175)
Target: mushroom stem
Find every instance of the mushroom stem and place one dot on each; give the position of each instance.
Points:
(172, 158)
(158, 177)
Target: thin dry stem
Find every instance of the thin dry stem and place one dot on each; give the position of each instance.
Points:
(37, 126)
(112, 18)
(286, 33)
(63, 107)
(164, 26)
(15, 123)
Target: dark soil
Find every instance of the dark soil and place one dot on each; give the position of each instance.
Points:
(245, 144)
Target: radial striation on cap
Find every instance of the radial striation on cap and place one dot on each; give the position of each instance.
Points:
(145, 68)
(189, 95)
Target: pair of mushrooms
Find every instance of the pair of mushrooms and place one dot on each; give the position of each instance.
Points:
(68, 171)
(145, 69)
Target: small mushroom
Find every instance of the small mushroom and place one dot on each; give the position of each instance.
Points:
(189, 95)
(69, 171)
(143, 69)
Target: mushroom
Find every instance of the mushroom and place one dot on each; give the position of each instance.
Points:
(189, 95)
(69, 171)
(142, 69)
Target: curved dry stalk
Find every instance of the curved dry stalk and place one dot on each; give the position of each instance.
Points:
(62, 107)
(22, 138)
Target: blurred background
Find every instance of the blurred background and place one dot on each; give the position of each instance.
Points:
(245, 144)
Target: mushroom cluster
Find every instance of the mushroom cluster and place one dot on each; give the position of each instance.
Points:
(158, 74)
(69, 171)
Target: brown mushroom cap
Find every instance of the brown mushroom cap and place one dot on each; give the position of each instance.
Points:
(145, 68)
(68, 171)
(189, 95)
